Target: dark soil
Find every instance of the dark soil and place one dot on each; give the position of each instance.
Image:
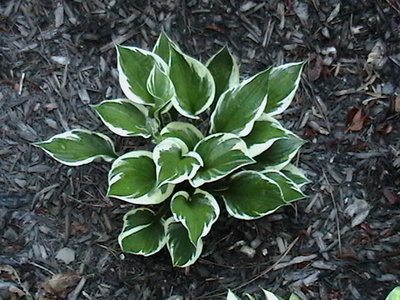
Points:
(343, 242)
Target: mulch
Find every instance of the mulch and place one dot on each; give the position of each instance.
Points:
(58, 230)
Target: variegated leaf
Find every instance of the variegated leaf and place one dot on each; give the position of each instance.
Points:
(123, 117)
(174, 162)
(239, 107)
(143, 232)
(160, 86)
(197, 212)
(135, 66)
(282, 86)
(265, 132)
(269, 296)
(78, 147)
(295, 174)
(132, 178)
(162, 47)
(251, 195)
(222, 153)
(291, 191)
(183, 252)
(186, 132)
(280, 153)
(225, 71)
(194, 84)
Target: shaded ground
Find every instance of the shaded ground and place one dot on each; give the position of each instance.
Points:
(56, 57)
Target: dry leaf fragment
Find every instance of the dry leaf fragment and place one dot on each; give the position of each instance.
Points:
(356, 119)
(61, 284)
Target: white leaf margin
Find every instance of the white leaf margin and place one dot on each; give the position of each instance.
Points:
(291, 168)
(117, 130)
(260, 110)
(214, 204)
(199, 246)
(234, 76)
(247, 217)
(281, 165)
(123, 79)
(155, 196)
(293, 185)
(257, 149)
(169, 143)
(241, 146)
(232, 296)
(285, 102)
(133, 230)
(72, 135)
(202, 72)
(180, 126)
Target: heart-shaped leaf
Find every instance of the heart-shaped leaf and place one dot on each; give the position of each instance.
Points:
(123, 117)
(282, 86)
(186, 132)
(174, 162)
(78, 147)
(197, 212)
(239, 107)
(295, 174)
(252, 195)
(132, 178)
(143, 232)
(291, 191)
(183, 252)
(194, 84)
(280, 153)
(134, 67)
(225, 71)
(222, 153)
(265, 132)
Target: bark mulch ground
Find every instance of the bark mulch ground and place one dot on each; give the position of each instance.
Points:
(57, 229)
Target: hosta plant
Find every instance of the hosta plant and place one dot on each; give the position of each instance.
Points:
(267, 295)
(394, 294)
(214, 142)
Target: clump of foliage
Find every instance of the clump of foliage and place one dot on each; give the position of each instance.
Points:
(215, 141)
(267, 296)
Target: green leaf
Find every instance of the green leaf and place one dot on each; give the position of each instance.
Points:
(162, 47)
(132, 178)
(282, 86)
(123, 117)
(186, 132)
(134, 67)
(225, 71)
(194, 85)
(143, 232)
(239, 107)
(232, 296)
(265, 132)
(160, 86)
(394, 295)
(252, 195)
(222, 154)
(174, 162)
(291, 192)
(183, 252)
(280, 153)
(295, 174)
(197, 212)
(78, 147)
